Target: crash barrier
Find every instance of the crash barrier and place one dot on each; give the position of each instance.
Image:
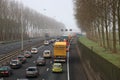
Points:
(102, 68)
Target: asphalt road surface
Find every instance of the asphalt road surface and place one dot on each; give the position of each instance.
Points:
(76, 68)
(45, 71)
(8, 47)
(76, 71)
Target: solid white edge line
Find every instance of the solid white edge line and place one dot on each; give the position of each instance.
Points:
(68, 73)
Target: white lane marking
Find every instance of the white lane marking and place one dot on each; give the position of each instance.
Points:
(1, 79)
(40, 47)
(47, 69)
(68, 73)
(50, 62)
(33, 61)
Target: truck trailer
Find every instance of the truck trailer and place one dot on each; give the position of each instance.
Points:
(60, 54)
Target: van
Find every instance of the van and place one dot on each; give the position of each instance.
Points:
(47, 54)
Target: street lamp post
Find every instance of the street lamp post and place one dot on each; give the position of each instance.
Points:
(21, 29)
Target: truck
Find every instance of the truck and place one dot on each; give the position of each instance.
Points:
(59, 53)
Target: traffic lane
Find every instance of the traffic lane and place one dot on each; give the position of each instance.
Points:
(5, 48)
(57, 76)
(76, 68)
(49, 75)
(45, 71)
(20, 73)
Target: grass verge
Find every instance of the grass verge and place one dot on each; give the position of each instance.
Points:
(114, 58)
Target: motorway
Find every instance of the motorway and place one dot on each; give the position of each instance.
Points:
(76, 71)
(8, 47)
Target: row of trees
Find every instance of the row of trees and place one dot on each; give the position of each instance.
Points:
(100, 19)
(14, 15)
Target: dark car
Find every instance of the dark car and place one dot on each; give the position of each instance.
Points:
(15, 64)
(22, 79)
(32, 72)
(21, 58)
(40, 61)
(27, 54)
(5, 71)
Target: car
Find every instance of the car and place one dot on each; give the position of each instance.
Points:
(15, 64)
(27, 54)
(46, 42)
(5, 71)
(47, 54)
(40, 61)
(22, 79)
(52, 40)
(21, 58)
(32, 72)
(34, 50)
(57, 67)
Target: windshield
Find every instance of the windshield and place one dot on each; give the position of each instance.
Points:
(27, 52)
(31, 69)
(46, 52)
(34, 49)
(57, 66)
(3, 68)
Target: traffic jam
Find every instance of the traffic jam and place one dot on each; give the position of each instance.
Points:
(29, 65)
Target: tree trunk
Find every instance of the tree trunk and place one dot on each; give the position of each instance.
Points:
(114, 28)
(118, 15)
(99, 34)
(103, 34)
(106, 27)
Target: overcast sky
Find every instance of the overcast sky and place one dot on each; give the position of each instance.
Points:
(61, 10)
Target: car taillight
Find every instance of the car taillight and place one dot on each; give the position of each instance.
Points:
(17, 59)
(6, 72)
(24, 58)
(2, 72)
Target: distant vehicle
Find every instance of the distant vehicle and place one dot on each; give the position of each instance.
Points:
(47, 54)
(34, 50)
(27, 54)
(66, 38)
(46, 42)
(59, 53)
(15, 64)
(22, 79)
(5, 71)
(57, 40)
(46, 35)
(40, 61)
(32, 72)
(57, 67)
(52, 40)
(21, 58)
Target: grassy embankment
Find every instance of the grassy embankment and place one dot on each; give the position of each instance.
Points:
(114, 58)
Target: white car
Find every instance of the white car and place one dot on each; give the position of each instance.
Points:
(46, 42)
(47, 54)
(32, 72)
(34, 50)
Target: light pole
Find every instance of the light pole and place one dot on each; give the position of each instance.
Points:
(21, 28)
(44, 24)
